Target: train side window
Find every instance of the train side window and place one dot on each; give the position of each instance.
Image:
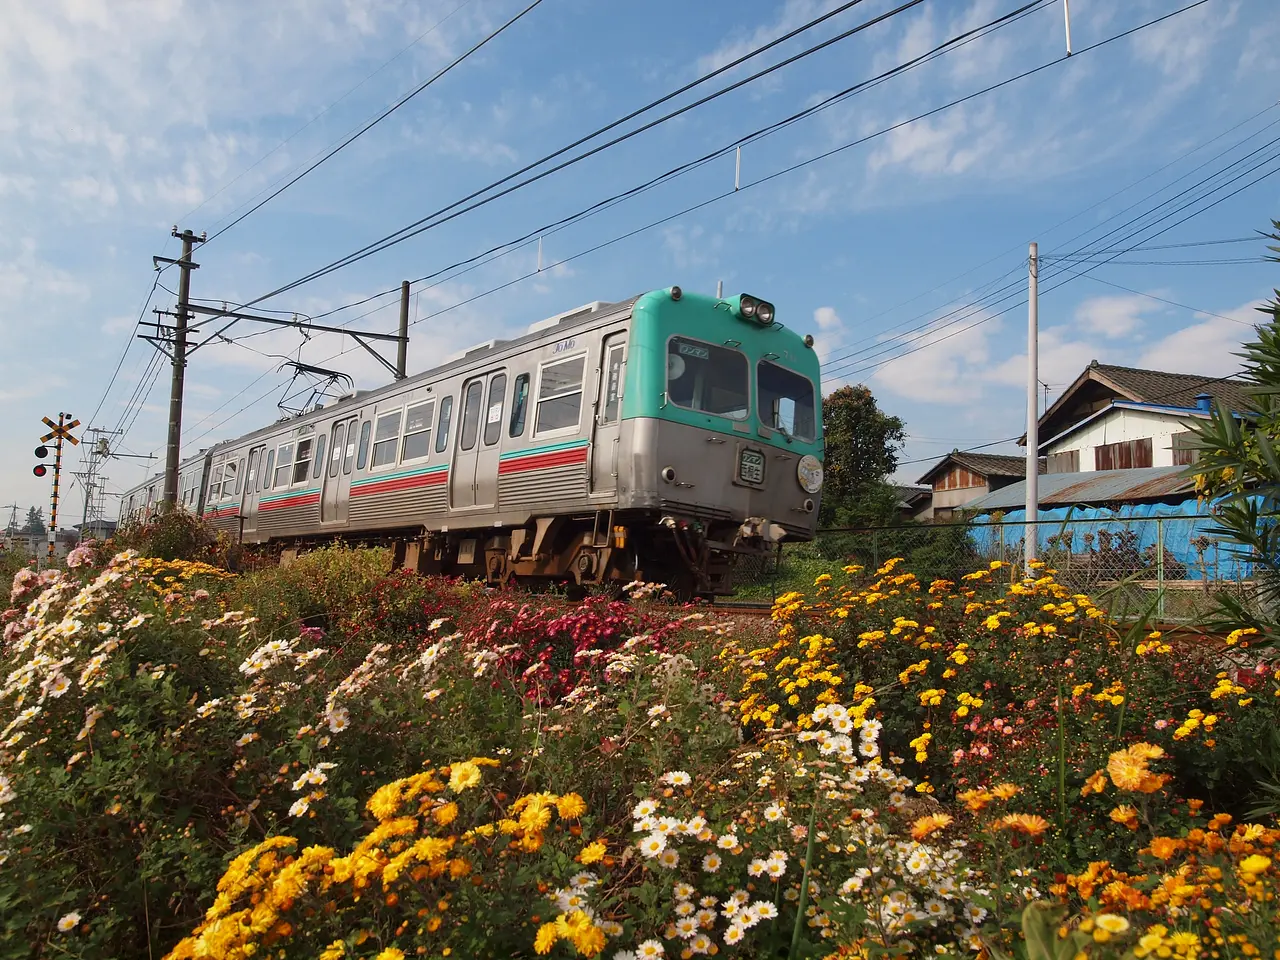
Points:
(250, 478)
(284, 465)
(417, 431)
(614, 372)
(266, 471)
(302, 463)
(385, 440)
(559, 404)
(231, 479)
(446, 421)
(493, 418)
(215, 483)
(471, 414)
(319, 467)
(363, 458)
(519, 405)
(349, 457)
(335, 454)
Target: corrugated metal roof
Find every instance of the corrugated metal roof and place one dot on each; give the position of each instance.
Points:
(983, 464)
(1095, 486)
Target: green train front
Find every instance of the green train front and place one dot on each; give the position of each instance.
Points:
(721, 430)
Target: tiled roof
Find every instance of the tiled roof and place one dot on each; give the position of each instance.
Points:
(983, 464)
(1174, 389)
(1100, 381)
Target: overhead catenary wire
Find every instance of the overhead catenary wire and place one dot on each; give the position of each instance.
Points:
(421, 225)
(494, 34)
(825, 154)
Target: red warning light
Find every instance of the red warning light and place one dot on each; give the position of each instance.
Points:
(39, 469)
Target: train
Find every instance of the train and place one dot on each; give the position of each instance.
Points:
(665, 438)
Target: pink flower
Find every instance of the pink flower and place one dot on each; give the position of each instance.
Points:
(957, 756)
(1161, 724)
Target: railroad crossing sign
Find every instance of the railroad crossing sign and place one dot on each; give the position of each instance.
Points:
(61, 431)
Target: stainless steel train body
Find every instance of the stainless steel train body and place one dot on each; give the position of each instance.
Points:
(659, 438)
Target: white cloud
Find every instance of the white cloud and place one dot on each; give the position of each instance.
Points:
(1182, 46)
(946, 362)
(1114, 317)
(794, 13)
(951, 143)
(1206, 347)
(829, 327)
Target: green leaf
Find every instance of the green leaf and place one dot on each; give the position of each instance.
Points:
(1040, 930)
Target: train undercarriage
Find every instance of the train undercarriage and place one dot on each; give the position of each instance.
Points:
(693, 557)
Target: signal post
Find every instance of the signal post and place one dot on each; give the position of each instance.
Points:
(59, 431)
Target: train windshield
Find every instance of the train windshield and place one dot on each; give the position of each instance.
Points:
(708, 378)
(786, 401)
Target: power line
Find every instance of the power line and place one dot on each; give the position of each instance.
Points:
(376, 120)
(932, 327)
(422, 224)
(1172, 303)
(243, 173)
(801, 164)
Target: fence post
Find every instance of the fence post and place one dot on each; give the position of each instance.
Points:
(875, 548)
(1160, 567)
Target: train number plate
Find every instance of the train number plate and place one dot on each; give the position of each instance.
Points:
(751, 466)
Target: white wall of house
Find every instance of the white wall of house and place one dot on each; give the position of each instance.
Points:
(1121, 424)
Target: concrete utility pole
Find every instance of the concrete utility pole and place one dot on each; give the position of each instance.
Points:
(402, 348)
(1033, 413)
(181, 316)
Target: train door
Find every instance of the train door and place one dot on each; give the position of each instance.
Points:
(462, 474)
(331, 483)
(249, 501)
(490, 437)
(607, 424)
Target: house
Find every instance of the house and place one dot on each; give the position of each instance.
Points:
(1123, 418)
(914, 502)
(961, 477)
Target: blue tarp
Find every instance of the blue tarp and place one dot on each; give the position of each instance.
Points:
(1184, 531)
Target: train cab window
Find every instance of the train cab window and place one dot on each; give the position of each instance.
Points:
(614, 372)
(708, 378)
(417, 431)
(284, 465)
(335, 454)
(785, 401)
(385, 439)
(559, 395)
(363, 458)
(493, 418)
(519, 405)
(471, 414)
(446, 421)
(319, 466)
(302, 462)
(266, 471)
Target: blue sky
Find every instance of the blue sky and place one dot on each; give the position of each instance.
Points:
(119, 120)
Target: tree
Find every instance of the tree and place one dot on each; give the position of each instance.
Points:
(1238, 465)
(862, 451)
(35, 523)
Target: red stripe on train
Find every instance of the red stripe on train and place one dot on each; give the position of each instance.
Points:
(305, 500)
(558, 458)
(401, 483)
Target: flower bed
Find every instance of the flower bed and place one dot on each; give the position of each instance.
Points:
(328, 761)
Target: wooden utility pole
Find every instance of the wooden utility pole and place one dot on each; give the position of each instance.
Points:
(181, 315)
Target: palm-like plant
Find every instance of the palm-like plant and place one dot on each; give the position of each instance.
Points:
(1238, 465)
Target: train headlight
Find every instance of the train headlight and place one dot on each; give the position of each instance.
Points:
(764, 313)
(809, 473)
(747, 306)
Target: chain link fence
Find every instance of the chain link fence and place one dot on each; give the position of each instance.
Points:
(1170, 566)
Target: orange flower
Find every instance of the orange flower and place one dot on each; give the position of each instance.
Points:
(930, 824)
(976, 800)
(1095, 784)
(1029, 823)
(1162, 848)
(1126, 816)
(1005, 791)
